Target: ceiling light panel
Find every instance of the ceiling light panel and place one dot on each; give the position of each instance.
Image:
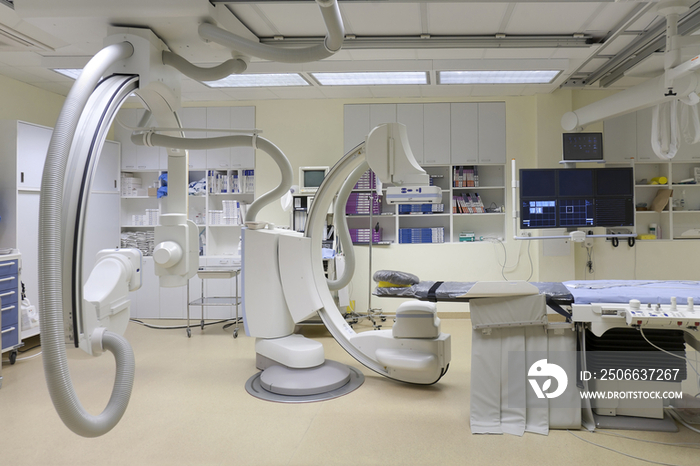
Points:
(260, 80)
(374, 78)
(497, 77)
(72, 73)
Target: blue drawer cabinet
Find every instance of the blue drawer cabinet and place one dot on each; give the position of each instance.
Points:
(10, 301)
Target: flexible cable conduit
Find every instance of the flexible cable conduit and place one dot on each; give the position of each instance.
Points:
(160, 140)
(332, 43)
(63, 395)
(229, 67)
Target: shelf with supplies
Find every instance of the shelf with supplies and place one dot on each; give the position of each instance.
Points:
(431, 223)
(218, 198)
(679, 217)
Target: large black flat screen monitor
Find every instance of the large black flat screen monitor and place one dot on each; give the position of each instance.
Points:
(582, 146)
(576, 197)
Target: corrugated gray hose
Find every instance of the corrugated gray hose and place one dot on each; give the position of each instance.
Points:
(63, 395)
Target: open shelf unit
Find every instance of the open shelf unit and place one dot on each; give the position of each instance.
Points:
(490, 223)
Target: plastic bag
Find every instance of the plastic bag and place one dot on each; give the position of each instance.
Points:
(30, 316)
(395, 278)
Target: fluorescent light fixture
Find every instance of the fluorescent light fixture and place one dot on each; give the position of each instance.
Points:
(72, 73)
(259, 80)
(371, 78)
(497, 77)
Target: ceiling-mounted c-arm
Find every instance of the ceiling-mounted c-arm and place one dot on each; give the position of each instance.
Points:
(136, 60)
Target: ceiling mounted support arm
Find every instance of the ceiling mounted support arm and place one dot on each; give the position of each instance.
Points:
(332, 43)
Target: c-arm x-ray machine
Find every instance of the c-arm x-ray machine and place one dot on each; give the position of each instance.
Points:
(93, 314)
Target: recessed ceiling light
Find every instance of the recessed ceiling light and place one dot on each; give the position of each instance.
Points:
(497, 77)
(373, 78)
(72, 73)
(259, 80)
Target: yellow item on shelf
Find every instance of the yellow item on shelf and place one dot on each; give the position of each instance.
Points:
(659, 180)
(646, 236)
(390, 285)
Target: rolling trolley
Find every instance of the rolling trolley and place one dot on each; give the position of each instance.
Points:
(215, 273)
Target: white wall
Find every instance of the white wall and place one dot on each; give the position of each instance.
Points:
(310, 132)
(21, 101)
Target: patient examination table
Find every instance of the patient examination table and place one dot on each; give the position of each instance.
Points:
(511, 333)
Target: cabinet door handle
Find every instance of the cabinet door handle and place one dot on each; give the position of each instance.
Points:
(7, 279)
(7, 264)
(9, 293)
(8, 330)
(21, 177)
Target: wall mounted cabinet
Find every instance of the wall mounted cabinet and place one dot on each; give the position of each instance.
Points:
(24, 147)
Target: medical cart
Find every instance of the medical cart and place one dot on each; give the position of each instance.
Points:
(215, 273)
(9, 303)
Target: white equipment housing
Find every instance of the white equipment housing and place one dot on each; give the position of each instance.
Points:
(106, 302)
(284, 284)
(601, 317)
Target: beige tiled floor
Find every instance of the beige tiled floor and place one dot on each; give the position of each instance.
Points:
(189, 406)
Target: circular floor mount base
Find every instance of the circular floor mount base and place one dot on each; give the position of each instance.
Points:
(283, 379)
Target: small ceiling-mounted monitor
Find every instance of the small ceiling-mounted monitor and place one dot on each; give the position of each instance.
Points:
(580, 147)
(310, 178)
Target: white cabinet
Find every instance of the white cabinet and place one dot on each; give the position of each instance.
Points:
(218, 118)
(195, 117)
(439, 133)
(620, 138)
(32, 143)
(356, 126)
(24, 148)
(107, 175)
(411, 115)
(436, 134)
(464, 133)
(492, 132)
(135, 157)
(242, 118)
(381, 113)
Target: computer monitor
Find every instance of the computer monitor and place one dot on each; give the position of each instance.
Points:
(576, 197)
(310, 178)
(582, 146)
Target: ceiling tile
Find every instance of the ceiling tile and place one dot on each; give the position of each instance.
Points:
(249, 94)
(208, 95)
(382, 19)
(608, 17)
(20, 58)
(295, 19)
(646, 21)
(455, 91)
(549, 18)
(450, 54)
(400, 54)
(524, 53)
(346, 92)
(396, 91)
(467, 18)
(249, 16)
(618, 44)
(297, 93)
(593, 65)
